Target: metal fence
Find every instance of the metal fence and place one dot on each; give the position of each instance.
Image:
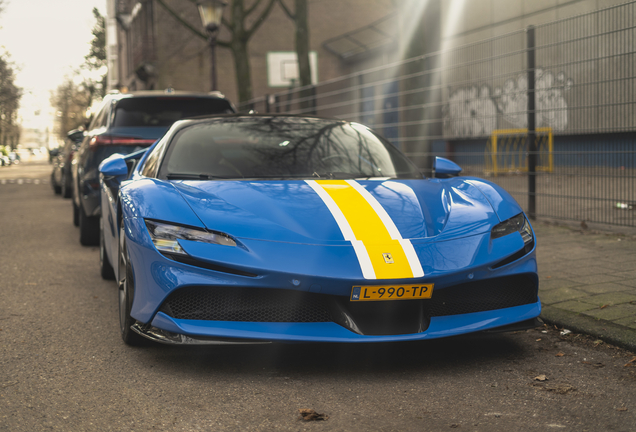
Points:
(574, 78)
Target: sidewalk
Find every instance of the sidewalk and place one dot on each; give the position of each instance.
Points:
(587, 282)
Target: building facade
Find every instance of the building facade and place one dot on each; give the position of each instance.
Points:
(151, 49)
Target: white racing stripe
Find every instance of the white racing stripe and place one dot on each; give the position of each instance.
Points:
(345, 228)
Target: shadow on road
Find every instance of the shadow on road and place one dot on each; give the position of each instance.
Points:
(348, 359)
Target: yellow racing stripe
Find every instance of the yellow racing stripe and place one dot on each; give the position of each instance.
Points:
(390, 256)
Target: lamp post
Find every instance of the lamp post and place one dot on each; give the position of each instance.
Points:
(211, 12)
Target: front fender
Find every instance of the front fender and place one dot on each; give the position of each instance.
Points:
(156, 199)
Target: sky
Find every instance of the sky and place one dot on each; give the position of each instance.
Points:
(45, 40)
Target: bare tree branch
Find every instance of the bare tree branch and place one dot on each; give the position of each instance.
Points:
(287, 11)
(249, 10)
(261, 18)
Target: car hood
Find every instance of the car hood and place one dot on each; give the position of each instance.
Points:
(292, 211)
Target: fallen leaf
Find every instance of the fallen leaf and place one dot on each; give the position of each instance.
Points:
(598, 365)
(307, 414)
(560, 389)
(559, 354)
(548, 277)
(598, 342)
(630, 363)
(604, 306)
(538, 340)
(541, 378)
(621, 409)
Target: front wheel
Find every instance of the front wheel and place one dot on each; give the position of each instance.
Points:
(126, 286)
(89, 228)
(105, 268)
(57, 189)
(65, 188)
(75, 214)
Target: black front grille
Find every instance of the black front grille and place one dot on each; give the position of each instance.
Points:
(371, 318)
(246, 304)
(483, 295)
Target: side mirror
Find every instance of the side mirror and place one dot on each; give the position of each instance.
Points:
(76, 136)
(443, 168)
(114, 166)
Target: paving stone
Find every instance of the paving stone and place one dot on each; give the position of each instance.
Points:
(611, 313)
(593, 262)
(602, 288)
(575, 306)
(626, 274)
(618, 266)
(610, 298)
(588, 270)
(627, 322)
(591, 279)
(552, 283)
(630, 283)
(579, 272)
(560, 294)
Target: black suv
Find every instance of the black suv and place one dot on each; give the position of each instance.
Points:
(124, 123)
(61, 177)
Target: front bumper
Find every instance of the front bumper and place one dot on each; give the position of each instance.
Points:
(157, 277)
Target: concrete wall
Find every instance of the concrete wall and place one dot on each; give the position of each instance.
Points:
(584, 65)
(467, 21)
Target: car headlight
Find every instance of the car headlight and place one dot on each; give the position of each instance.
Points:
(164, 236)
(518, 224)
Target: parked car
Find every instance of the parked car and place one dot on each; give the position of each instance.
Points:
(126, 122)
(253, 228)
(53, 153)
(14, 158)
(61, 176)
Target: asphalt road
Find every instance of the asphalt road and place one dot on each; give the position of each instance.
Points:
(64, 367)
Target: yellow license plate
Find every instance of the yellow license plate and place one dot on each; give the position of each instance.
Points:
(391, 292)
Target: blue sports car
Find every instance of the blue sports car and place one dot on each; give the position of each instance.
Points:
(260, 228)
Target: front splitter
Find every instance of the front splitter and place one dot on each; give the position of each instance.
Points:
(165, 329)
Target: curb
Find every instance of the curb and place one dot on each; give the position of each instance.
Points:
(607, 331)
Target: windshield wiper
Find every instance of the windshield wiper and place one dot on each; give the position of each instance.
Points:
(183, 176)
(338, 175)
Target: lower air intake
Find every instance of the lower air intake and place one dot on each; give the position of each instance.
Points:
(483, 295)
(245, 304)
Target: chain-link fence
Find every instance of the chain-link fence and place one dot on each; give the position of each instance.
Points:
(546, 112)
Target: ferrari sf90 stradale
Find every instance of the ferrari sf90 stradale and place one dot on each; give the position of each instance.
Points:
(258, 228)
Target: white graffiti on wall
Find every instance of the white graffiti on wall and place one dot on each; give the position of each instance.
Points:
(473, 111)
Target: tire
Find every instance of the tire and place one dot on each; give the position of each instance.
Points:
(89, 229)
(75, 214)
(57, 189)
(65, 190)
(105, 268)
(126, 294)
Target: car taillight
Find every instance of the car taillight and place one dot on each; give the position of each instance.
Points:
(98, 140)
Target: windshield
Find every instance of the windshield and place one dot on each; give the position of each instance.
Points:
(281, 147)
(163, 111)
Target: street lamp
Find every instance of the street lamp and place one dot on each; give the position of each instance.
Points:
(211, 12)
